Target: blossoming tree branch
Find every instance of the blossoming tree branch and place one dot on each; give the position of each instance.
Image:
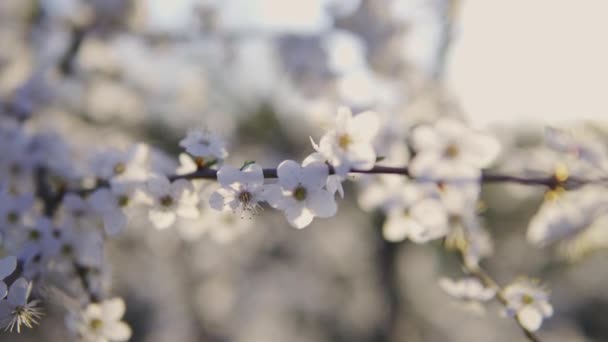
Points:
(56, 216)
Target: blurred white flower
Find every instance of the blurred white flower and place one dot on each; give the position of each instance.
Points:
(204, 145)
(13, 208)
(17, 310)
(349, 144)
(450, 149)
(169, 200)
(124, 165)
(113, 205)
(417, 217)
(528, 302)
(241, 190)
(562, 217)
(469, 290)
(100, 322)
(301, 194)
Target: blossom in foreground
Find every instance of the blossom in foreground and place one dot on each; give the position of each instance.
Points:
(300, 193)
(17, 310)
(100, 322)
(204, 146)
(349, 144)
(528, 302)
(241, 190)
(468, 290)
(170, 200)
(450, 149)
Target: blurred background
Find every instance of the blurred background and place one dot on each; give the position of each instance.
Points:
(266, 75)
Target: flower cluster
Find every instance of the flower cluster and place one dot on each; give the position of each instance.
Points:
(56, 215)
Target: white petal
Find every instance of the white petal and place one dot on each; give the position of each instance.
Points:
(364, 126)
(159, 186)
(253, 175)
(160, 218)
(19, 292)
(228, 175)
(362, 156)
(343, 118)
(322, 203)
(290, 174)
(217, 201)
(113, 309)
(394, 229)
(102, 200)
(298, 216)
(425, 138)
(273, 195)
(314, 175)
(530, 318)
(7, 266)
(188, 211)
(114, 222)
(117, 331)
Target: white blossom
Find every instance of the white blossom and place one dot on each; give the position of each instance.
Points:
(349, 144)
(17, 310)
(468, 290)
(241, 190)
(300, 193)
(528, 302)
(100, 322)
(118, 164)
(450, 149)
(205, 145)
(419, 217)
(113, 205)
(170, 200)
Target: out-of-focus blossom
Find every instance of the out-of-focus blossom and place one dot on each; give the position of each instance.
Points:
(170, 200)
(468, 290)
(450, 149)
(205, 145)
(100, 322)
(528, 302)
(349, 144)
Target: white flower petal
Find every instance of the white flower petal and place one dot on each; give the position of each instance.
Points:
(314, 175)
(117, 331)
(114, 222)
(530, 318)
(298, 216)
(290, 174)
(322, 203)
(161, 219)
(364, 126)
(19, 292)
(7, 266)
(228, 175)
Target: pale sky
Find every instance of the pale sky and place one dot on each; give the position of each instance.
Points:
(531, 60)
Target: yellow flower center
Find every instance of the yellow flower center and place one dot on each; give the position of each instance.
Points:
(452, 151)
(96, 324)
(123, 201)
(166, 201)
(299, 193)
(344, 141)
(12, 217)
(119, 168)
(527, 299)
